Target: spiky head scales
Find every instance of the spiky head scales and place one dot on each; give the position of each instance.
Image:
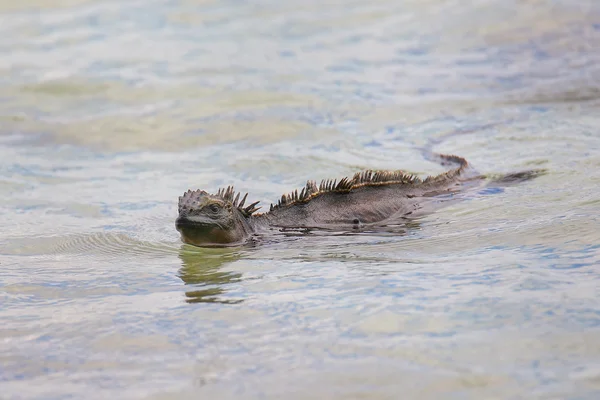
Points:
(196, 199)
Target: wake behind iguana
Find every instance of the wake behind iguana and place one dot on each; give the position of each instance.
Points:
(369, 199)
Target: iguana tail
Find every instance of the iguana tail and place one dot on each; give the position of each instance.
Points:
(462, 166)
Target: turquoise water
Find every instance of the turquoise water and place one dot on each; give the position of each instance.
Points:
(110, 110)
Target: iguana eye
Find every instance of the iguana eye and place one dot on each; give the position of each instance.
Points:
(213, 208)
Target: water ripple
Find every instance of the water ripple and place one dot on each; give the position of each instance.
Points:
(94, 245)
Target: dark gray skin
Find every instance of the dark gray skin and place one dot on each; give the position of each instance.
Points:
(369, 199)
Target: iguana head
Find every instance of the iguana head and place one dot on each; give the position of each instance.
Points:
(211, 220)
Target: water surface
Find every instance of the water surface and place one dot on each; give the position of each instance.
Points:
(110, 110)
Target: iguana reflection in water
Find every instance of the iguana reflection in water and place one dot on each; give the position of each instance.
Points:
(202, 269)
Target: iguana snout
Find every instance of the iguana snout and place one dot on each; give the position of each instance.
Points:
(210, 220)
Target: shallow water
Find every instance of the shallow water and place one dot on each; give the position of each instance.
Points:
(110, 110)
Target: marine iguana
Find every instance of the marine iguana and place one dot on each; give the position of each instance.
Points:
(368, 199)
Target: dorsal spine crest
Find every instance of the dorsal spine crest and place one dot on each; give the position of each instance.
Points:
(345, 185)
(367, 178)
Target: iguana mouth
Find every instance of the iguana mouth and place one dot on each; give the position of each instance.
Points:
(199, 225)
(200, 232)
